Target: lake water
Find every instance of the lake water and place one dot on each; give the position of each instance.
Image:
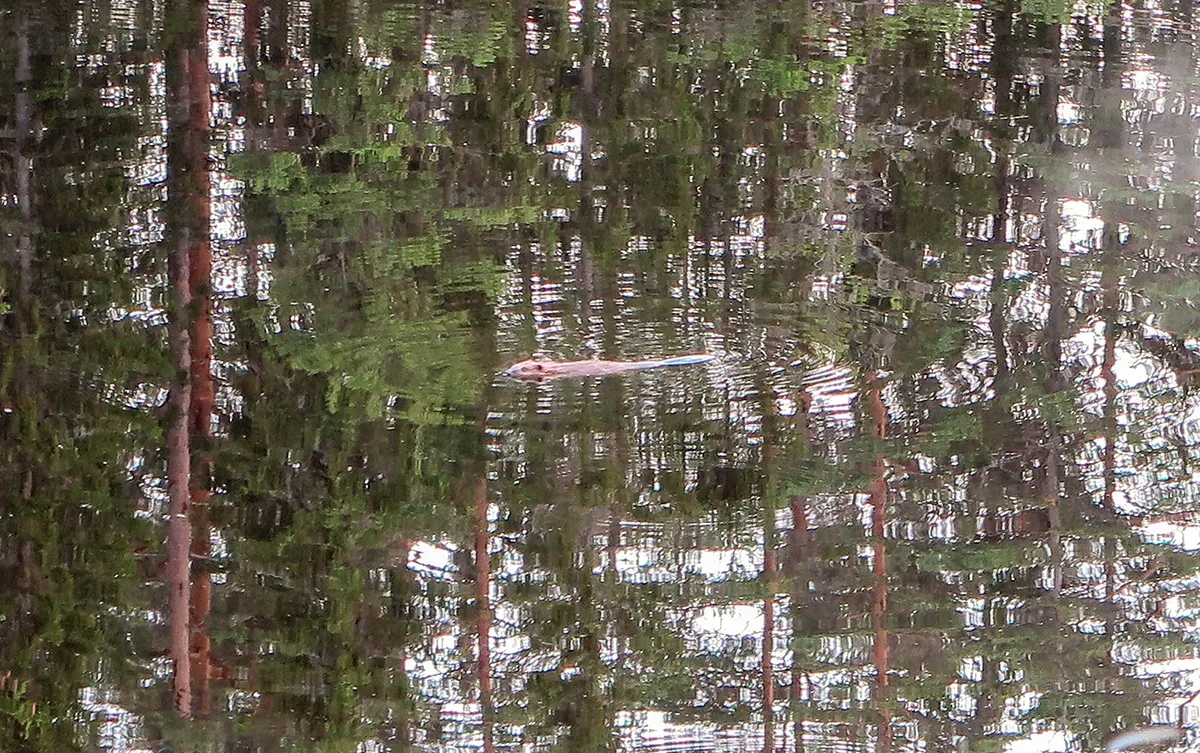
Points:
(264, 486)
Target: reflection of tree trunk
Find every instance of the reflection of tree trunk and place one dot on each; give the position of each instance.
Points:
(483, 609)
(998, 316)
(276, 52)
(587, 209)
(773, 439)
(403, 591)
(997, 412)
(1054, 287)
(198, 198)
(252, 87)
(1045, 122)
(1110, 305)
(285, 112)
(18, 554)
(800, 554)
(1056, 316)
(179, 529)
(191, 396)
(418, 106)
(879, 594)
(1003, 59)
(251, 16)
(799, 551)
(1179, 125)
(1111, 136)
(332, 32)
(483, 581)
(771, 577)
(1055, 323)
(1054, 383)
(1002, 72)
(1108, 361)
(24, 163)
(1113, 27)
(1045, 131)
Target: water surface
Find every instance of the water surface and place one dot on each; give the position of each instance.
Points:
(264, 487)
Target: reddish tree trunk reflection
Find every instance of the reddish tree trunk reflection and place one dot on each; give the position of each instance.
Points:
(198, 199)
(179, 529)
(190, 403)
(879, 593)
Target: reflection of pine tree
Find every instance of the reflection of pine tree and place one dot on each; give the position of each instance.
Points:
(71, 456)
(1006, 556)
(382, 383)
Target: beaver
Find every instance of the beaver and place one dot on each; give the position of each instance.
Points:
(533, 370)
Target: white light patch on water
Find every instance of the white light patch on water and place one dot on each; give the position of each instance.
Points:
(1184, 536)
(118, 728)
(1068, 112)
(735, 620)
(431, 559)
(1170, 667)
(225, 61)
(533, 37)
(975, 291)
(649, 564)
(833, 391)
(1051, 741)
(785, 407)
(1144, 81)
(540, 114)
(225, 194)
(1131, 367)
(568, 145)
(1081, 227)
(378, 62)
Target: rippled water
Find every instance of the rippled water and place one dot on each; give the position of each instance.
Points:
(265, 487)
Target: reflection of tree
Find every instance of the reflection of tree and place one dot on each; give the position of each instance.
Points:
(879, 571)
(383, 379)
(22, 160)
(825, 185)
(190, 400)
(71, 459)
(483, 607)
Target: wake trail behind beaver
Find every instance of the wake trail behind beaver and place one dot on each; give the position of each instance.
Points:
(533, 370)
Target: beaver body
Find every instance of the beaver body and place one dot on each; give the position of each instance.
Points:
(533, 370)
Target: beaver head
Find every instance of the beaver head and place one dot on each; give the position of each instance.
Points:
(527, 369)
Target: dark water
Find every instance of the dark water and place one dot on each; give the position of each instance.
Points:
(262, 486)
